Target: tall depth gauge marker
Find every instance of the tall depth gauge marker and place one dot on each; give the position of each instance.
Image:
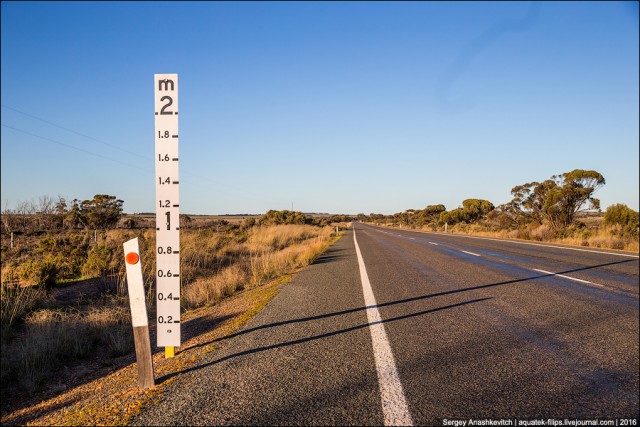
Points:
(167, 212)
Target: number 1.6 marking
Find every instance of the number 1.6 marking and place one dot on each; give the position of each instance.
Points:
(166, 158)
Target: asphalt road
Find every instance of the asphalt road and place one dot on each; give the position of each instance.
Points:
(478, 329)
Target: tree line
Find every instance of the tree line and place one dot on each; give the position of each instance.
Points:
(101, 212)
(554, 202)
(104, 212)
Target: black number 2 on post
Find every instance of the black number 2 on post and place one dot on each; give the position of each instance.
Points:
(165, 106)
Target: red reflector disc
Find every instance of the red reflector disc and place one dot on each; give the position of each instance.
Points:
(132, 258)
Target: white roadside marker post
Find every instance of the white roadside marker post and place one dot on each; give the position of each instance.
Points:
(139, 318)
(167, 212)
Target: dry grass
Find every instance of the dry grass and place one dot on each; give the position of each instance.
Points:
(209, 290)
(15, 303)
(277, 237)
(55, 337)
(603, 237)
(267, 253)
(112, 397)
(38, 338)
(595, 235)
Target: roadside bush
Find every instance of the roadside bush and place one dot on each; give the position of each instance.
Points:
(103, 260)
(97, 261)
(273, 217)
(453, 217)
(247, 223)
(626, 218)
(41, 272)
(68, 253)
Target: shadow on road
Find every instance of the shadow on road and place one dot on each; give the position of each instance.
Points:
(329, 256)
(313, 338)
(418, 298)
(385, 304)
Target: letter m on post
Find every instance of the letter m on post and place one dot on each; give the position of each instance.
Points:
(164, 84)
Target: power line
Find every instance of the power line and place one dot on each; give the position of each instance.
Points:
(74, 147)
(73, 131)
(191, 174)
(108, 158)
(84, 136)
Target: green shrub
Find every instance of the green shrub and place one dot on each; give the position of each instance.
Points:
(98, 261)
(41, 272)
(273, 217)
(623, 216)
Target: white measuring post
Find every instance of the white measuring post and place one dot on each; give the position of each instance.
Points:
(139, 318)
(167, 212)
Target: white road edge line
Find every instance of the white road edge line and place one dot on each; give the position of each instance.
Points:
(470, 253)
(567, 277)
(434, 244)
(394, 404)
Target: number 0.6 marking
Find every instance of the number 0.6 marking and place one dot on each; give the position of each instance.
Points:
(168, 273)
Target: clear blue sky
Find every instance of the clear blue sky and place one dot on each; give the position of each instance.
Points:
(334, 107)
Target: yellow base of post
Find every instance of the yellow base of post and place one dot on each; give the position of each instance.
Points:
(169, 352)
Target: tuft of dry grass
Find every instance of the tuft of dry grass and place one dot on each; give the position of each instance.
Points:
(53, 337)
(15, 303)
(277, 237)
(209, 290)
